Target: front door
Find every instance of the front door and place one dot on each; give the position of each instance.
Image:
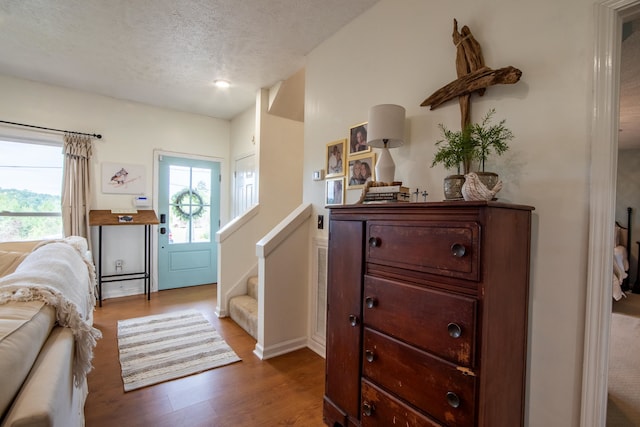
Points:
(189, 211)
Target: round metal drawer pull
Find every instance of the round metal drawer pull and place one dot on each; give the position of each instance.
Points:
(368, 408)
(452, 399)
(458, 250)
(370, 302)
(374, 242)
(454, 330)
(369, 355)
(353, 320)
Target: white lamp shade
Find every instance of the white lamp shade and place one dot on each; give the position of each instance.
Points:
(386, 124)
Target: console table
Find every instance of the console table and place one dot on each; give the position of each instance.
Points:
(146, 218)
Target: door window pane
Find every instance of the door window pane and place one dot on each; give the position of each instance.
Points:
(189, 204)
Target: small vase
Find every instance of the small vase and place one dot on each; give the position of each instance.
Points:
(489, 179)
(453, 187)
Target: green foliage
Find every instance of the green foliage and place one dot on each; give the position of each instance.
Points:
(488, 138)
(29, 227)
(456, 149)
(476, 141)
(187, 204)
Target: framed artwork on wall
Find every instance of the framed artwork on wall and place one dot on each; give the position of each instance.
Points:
(120, 178)
(358, 140)
(361, 170)
(335, 157)
(334, 191)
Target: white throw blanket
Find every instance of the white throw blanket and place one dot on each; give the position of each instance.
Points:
(59, 275)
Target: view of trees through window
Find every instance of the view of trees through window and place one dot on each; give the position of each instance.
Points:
(30, 190)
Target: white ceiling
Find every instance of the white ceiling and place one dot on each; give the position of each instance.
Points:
(167, 53)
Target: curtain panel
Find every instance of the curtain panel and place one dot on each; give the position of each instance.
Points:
(76, 187)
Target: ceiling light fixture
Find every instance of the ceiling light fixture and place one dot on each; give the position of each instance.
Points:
(222, 83)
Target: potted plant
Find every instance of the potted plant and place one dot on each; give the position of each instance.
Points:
(489, 139)
(462, 149)
(456, 150)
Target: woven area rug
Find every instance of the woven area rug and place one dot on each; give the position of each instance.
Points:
(166, 346)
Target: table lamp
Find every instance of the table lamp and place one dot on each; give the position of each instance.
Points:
(385, 130)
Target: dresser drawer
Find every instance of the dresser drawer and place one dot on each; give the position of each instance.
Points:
(382, 409)
(441, 323)
(437, 387)
(449, 249)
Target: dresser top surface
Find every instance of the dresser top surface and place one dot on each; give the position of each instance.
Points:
(407, 206)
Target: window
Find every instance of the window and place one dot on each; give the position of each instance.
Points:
(30, 189)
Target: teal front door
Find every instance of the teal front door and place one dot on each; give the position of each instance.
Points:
(189, 212)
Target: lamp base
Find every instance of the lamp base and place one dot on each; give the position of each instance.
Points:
(385, 167)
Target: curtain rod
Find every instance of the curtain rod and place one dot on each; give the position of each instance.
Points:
(55, 130)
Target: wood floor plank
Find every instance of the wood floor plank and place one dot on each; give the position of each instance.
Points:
(283, 391)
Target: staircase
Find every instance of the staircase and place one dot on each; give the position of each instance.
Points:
(243, 309)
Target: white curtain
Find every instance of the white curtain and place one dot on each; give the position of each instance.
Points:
(76, 188)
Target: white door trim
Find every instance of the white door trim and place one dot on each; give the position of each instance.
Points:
(609, 15)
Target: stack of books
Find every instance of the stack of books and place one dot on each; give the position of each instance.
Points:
(387, 194)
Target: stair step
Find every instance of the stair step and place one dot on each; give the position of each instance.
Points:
(252, 287)
(243, 309)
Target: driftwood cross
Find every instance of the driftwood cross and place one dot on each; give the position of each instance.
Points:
(473, 75)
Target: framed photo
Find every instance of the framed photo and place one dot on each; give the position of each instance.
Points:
(335, 156)
(361, 170)
(119, 178)
(334, 194)
(358, 140)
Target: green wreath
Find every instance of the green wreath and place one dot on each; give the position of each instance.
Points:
(185, 199)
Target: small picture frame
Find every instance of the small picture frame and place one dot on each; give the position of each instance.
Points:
(361, 170)
(334, 191)
(335, 158)
(358, 140)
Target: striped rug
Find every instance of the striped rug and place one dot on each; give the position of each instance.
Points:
(166, 346)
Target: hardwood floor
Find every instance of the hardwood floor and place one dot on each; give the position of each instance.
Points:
(283, 391)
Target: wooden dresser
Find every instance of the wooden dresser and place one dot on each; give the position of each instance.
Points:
(427, 314)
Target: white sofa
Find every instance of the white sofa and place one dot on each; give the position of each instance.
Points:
(46, 333)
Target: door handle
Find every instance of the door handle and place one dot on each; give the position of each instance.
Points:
(163, 230)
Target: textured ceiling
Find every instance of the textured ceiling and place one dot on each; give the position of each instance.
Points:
(167, 52)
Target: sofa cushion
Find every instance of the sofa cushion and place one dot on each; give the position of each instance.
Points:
(48, 397)
(19, 246)
(24, 327)
(9, 260)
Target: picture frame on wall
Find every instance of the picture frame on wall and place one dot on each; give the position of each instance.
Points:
(334, 191)
(361, 169)
(336, 158)
(120, 178)
(358, 139)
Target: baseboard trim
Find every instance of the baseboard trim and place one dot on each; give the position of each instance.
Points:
(317, 348)
(264, 353)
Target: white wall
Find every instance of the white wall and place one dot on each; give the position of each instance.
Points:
(281, 149)
(130, 132)
(279, 152)
(243, 132)
(401, 51)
